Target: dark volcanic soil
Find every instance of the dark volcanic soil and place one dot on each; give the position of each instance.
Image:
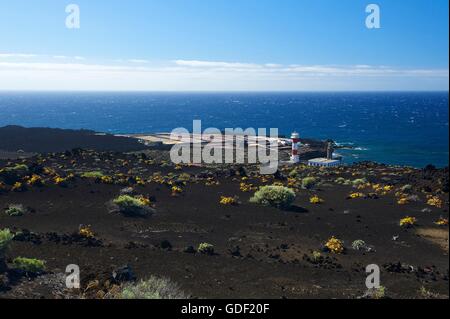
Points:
(47, 140)
(259, 251)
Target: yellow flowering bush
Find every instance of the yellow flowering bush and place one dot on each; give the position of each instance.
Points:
(442, 222)
(403, 201)
(60, 181)
(18, 187)
(335, 245)
(382, 189)
(86, 231)
(157, 178)
(211, 182)
(292, 182)
(264, 179)
(106, 179)
(12, 174)
(176, 190)
(377, 187)
(246, 187)
(228, 200)
(140, 181)
(49, 171)
(408, 221)
(316, 200)
(363, 186)
(35, 180)
(144, 200)
(434, 201)
(356, 195)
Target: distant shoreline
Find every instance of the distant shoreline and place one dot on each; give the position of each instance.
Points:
(17, 141)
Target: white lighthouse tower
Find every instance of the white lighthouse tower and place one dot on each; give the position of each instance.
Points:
(295, 158)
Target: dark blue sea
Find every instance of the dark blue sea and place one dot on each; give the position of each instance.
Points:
(392, 128)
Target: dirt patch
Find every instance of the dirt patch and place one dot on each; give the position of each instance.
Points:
(438, 236)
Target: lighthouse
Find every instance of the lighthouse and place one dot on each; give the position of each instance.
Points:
(295, 158)
(330, 150)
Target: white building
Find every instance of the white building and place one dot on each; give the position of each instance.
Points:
(324, 162)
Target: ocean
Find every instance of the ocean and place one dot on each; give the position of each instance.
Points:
(402, 128)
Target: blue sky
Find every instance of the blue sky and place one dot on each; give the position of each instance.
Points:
(224, 45)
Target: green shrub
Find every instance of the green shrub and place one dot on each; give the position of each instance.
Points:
(11, 175)
(376, 293)
(18, 168)
(128, 201)
(317, 255)
(309, 182)
(343, 181)
(205, 248)
(29, 265)
(427, 294)
(276, 196)
(406, 188)
(131, 206)
(15, 210)
(359, 244)
(359, 181)
(152, 288)
(293, 173)
(5, 238)
(184, 177)
(93, 175)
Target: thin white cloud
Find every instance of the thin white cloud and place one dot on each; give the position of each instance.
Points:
(65, 57)
(215, 64)
(72, 73)
(38, 66)
(24, 56)
(16, 55)
(308, 70)
(138, 61)
(273, 65)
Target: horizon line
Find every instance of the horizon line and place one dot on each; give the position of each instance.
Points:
(223, 91)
